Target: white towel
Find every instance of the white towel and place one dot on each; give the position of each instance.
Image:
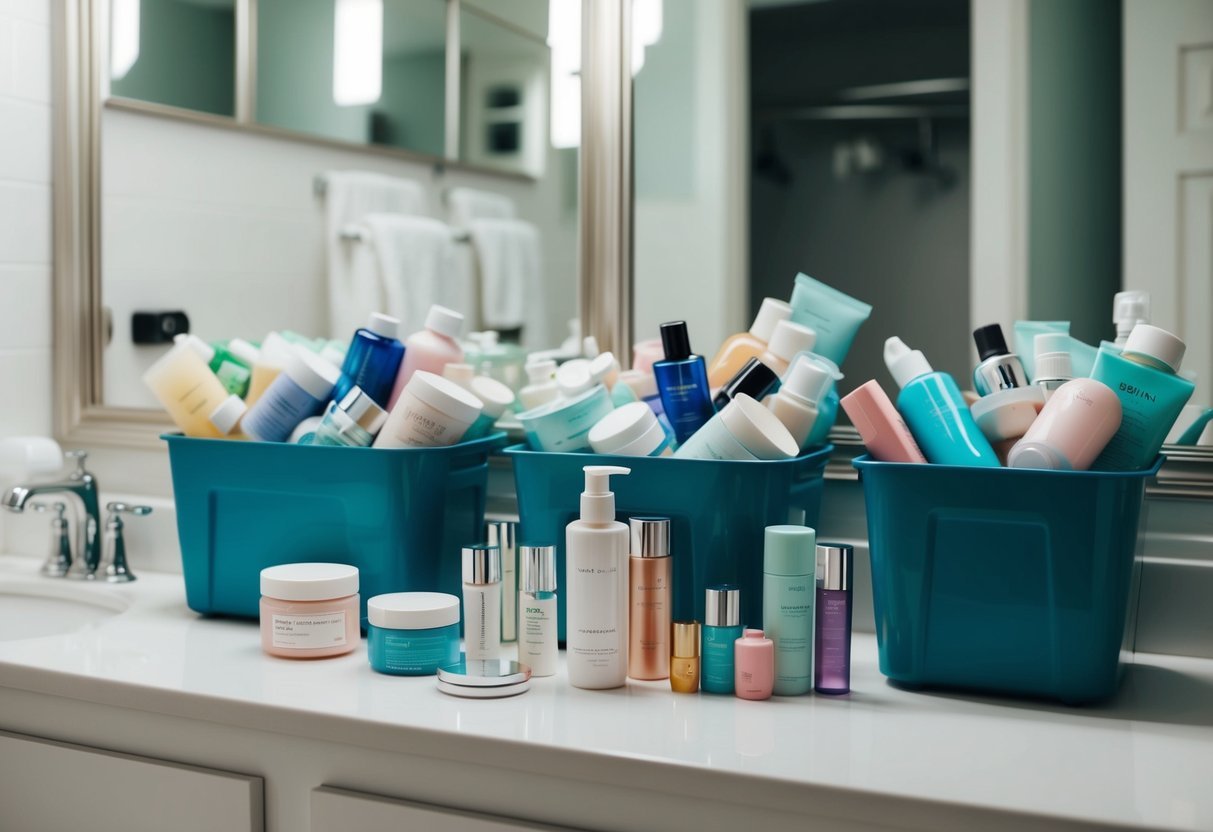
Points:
(416, 264)
(465, 205)
(354, 289)
(511, 278)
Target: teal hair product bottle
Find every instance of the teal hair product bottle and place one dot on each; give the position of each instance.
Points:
(721, 627)
(789, 587)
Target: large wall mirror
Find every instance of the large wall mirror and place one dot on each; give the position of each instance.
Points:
(952, 163)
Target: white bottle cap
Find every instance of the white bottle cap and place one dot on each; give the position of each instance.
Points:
(573, 377)
(904, 363)
(622, 430)
(602, 366)
(444, 321)
(758, 429)
(1053, 360)
(204, 350)
(243, 350)
(541, 372)
(1158, 344)
(445, 396)
(461, 374)
(807, 380)
(413, 610)
(384, 325)
(312, 373)
(589, 346)
(598, 501)
(230, 411)
(495, 397)
(276, 351)
(769, 314)
(309, 581)
(790, 338)
(1130, 308)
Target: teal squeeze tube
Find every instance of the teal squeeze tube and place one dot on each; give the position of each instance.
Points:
(835, 316)
(1151, 396)
(935, 411)
(721, 627)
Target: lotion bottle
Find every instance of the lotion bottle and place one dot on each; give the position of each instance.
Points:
(482, 601)
(431, 349)
(789, 584)
(596, 586)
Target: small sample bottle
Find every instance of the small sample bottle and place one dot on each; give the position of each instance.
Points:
(936, 411)
(755, 379)
(431, 349)
(832, 647)
(650, 601)
(1073, 428)
(352, 422)
(738, 349)
(188, 389)
(300, 390)
(682, 379)
(754, 665)
(1054, 366)
(309, 610)
(537, 609)
(788, 339)
(482, 601)
(884, 433)
(999, 368)
(789, 589)
(432, 412)
(799, 401)
(1128, 310)
(684, 658)
(373, 359)
(504, 535)
(721, 628)
(541, 387)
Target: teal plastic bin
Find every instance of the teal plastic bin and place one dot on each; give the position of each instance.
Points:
(717, 510)
(1004, 580)
(399, 515)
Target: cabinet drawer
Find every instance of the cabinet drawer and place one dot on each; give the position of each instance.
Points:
(339, 810)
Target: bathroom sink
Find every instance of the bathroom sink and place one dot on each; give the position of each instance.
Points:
(29, 609)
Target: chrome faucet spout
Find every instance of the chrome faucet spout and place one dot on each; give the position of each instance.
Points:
(82, 485)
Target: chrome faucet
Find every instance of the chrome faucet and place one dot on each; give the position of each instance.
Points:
(83, 485)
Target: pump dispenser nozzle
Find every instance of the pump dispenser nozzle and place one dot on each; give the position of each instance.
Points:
(598, 501)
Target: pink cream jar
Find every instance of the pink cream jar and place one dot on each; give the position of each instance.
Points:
(309, 610)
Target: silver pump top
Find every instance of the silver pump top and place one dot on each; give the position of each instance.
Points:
(481, 564)
(538, 566)
(502, 533)
(835, 563)
(650, 537)
(722, 607)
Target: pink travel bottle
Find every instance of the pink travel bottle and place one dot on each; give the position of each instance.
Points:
(431, 349)
(881, 427)
(753, 665)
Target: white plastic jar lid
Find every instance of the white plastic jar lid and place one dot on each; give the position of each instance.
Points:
(496, 397)
(625, 425)
(309, 581)
(758, 429)
(311, 372)
(413, 610)
(445, 396)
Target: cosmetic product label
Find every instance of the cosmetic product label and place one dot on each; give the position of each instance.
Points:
(537, 640)
(309, 631)
(413, 653)
(717, 660)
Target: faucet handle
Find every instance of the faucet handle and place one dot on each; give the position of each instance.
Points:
(59, 556)
(114, 559)
(123, 508)
(60, 508)
(80, 457)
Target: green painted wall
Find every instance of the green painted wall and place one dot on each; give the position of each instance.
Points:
(186, 57)
(663, 101)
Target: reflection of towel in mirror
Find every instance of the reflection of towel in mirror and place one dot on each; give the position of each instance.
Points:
(511, 278)
(465, 205)
(416, 263)
(354, 290)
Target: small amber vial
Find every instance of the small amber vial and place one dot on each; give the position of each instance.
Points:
(684, 658)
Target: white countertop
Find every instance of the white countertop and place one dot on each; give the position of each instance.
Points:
(1145, 759)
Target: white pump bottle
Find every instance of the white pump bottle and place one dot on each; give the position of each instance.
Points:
(596, 587)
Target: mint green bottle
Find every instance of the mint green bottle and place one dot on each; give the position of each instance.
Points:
(721, 628)
(789, 587)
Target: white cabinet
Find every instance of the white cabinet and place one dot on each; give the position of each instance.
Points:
(339, 810)
(46, 785)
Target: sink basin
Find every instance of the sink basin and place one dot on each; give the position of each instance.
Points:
(30, 609)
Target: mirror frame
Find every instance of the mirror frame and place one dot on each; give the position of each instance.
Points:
(81, 418)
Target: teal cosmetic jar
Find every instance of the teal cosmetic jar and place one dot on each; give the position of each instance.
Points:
(412, 633)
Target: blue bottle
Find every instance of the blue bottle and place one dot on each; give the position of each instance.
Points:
(935, 411)
(682, 379)
(721, 627)
(372, 361)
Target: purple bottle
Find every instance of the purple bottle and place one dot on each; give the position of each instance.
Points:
(832, 642)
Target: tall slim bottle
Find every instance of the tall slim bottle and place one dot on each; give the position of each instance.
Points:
(537, 640)
(373, 360)
(721, 629)
(649, 602)
(832, 673)
(596, 587)
(682, 379)
(504, 534)
(789, 588)
(482, 601)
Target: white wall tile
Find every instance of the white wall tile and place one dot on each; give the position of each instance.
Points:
(25, 141)
(26, 376)
(31, 61)
(6, 54)
(36, 11)
(25, 223)
(25, 307)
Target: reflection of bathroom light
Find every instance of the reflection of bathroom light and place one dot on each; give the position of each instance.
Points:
(358, 52)
(124, 37)
(564, 38)
(646, 29)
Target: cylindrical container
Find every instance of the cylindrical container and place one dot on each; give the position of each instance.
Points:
(743, 429)
(682, 378)
(373, 360)
(649, 597)
(275, 352)
(754, 665)
(787, 339)
(351, 422)
(684, 658)
(188, 389)
(721, 627)
(495, 398)
(564, 425)
(300, 390)
(832, 648)
(800, 400)
(1054, 366)
(884, 432)
(504, 534)
(432, 412)
(537, 637)
(1075, 425)
(755, 379)
(429, 350)
(309, 610)
(789, 588)
(630, 430)
(482, 601)
(412, 633)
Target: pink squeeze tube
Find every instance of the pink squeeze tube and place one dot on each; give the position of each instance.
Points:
(884, 432)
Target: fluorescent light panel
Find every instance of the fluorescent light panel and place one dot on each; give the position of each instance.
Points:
(357, 52)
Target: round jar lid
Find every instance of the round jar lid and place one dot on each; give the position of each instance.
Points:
(496, 397)
(309, 581)
(311, 372)
(413, 610)
(622, 426)
(758, 429)
(445, 396)
(484, 673)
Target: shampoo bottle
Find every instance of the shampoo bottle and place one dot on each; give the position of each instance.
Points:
(431, 349)
(936, 411)
(596, 586)
(373, 360)
(682, 379)
(789, 583)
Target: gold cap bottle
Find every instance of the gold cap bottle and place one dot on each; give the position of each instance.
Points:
(684, 661)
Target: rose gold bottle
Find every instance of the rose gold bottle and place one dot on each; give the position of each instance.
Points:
(684, 664)
(649, 598)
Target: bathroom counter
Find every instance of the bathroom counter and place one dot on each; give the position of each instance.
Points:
(879, 757)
